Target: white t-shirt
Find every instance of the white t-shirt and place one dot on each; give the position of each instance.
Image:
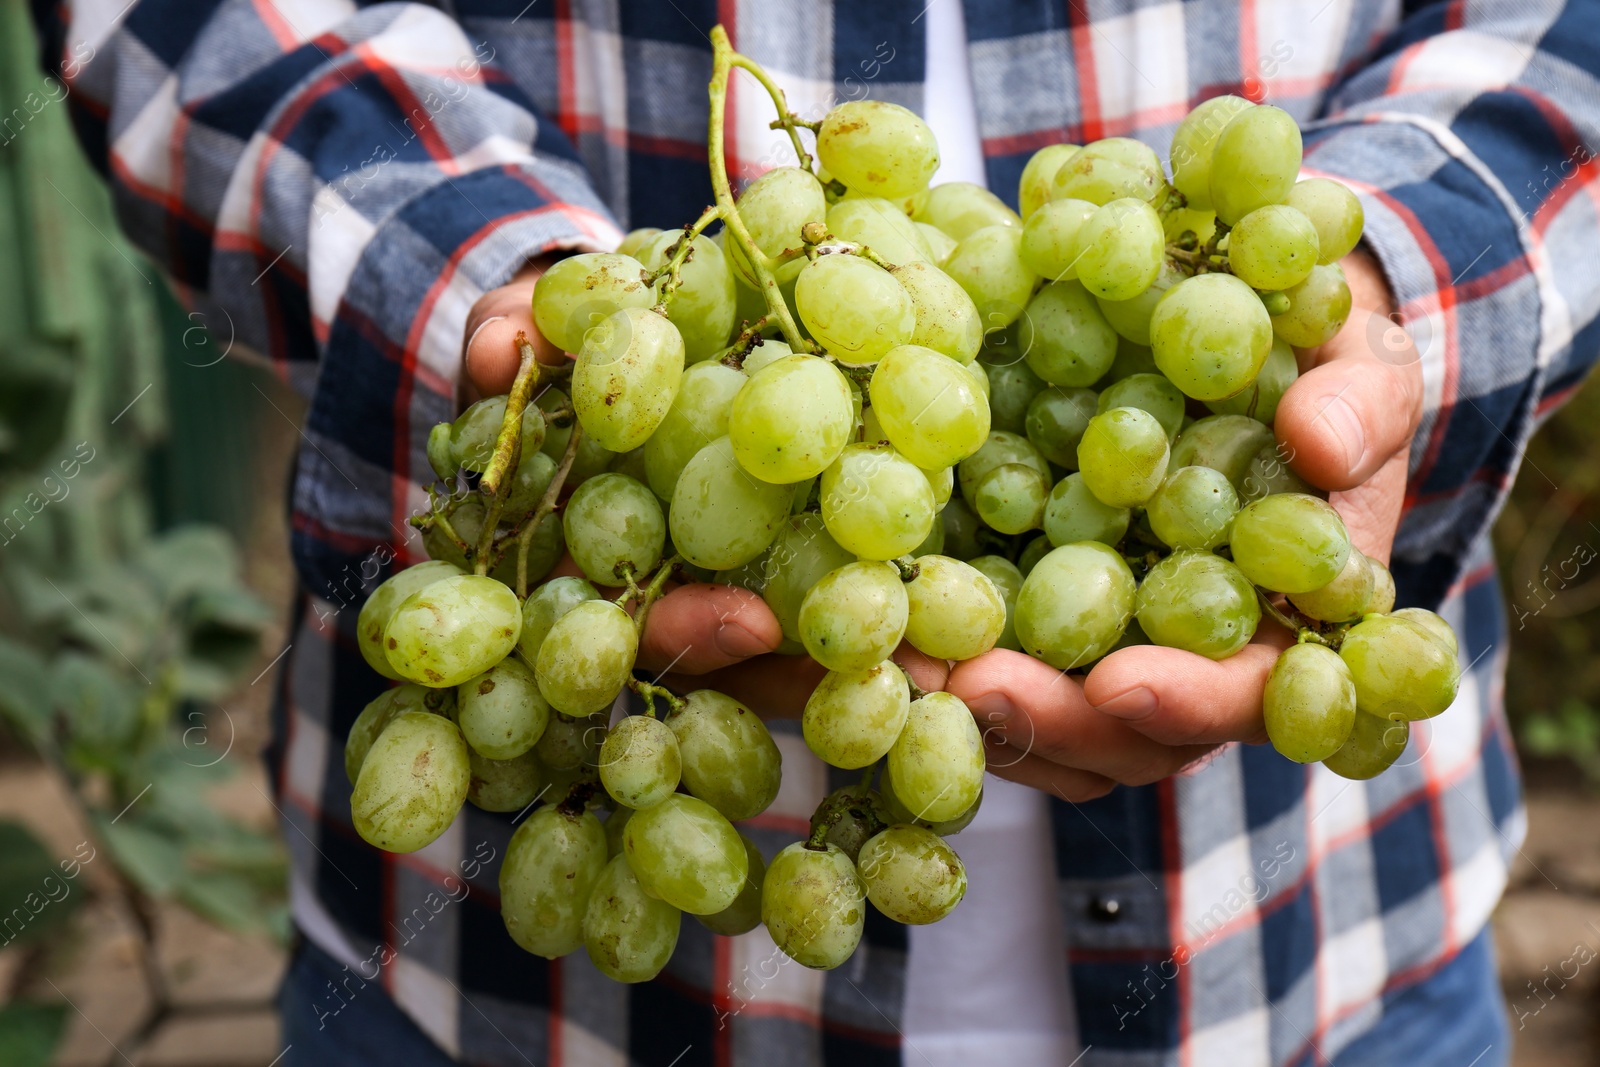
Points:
(989, 983)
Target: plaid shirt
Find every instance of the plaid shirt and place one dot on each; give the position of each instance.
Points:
(333, 185)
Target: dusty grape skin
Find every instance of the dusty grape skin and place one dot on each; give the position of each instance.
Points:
(1344, 599)
(1254, 162)
(947, 319)
(962, 208)
(626, 377)
(1064, 337)
(578, 292)
(587, 657)
(1193, 143)
(1109, 169)
(953, 610)
(1309, 703)
(1402, 668)
(852, 718)
(1375, 743)
(854, 308)
(1072, 514)
(1198, 602)
(1289, 543)
(881, 226)
(544, 606)
(1123, 457)
(1193, 508)
(1120, 250)
(1007, 581)
(893, 810)
(988, 265)
(1225, 443)
(814, 905)
(686, 854)
(453, 629)
(380, 712)
(911, 875)
(875, 502)
(628, 934)
(1210, 335)
(854, 616)
(1050, 238)
(504, 785)
(801, 554)
(729, 758)
(1035, 184)
(612, 521)
(500, 712)
(1428, 621)
(639, 762)
(570, 743)
(551, 867)
(937, 761)
(380, 608)
(775, 207)
(877, 148)
(1383, 591)
(744, 914)
(721, 517)
(1074, 605)
(412, 783)
(928, 406)
(698, 414)
(791, 419)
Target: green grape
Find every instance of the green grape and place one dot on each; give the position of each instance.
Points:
(380, 712)
(854, 308)
(1268, 474)
(877, 148)
(569, 744)
(412, 782)
(1007, 582)
(552, 865)
(980, 378)
(791, 419)
(1254, 162)
(503, 785)
(1261, 399)
(999, 449)
(614, 524)
(943, 483)
(1123, 456)
(1075, 603)
(1290, 543)
(855, 806)
(953, 610)
(1210, 335)
(380, 608)
(587, 657)
(1318, 308)
(1193, 143)
(1131, 359)
(729, 758)
(1375, 743)
(1050, 239)
(1038, 177)
(451, 630)
(1012, 387)
(1344, 599)
(1147, 392)
(1335, 212)
(626, 378)
(853, 717)
(1402, 668)
(801, 554)
(813, 905)
(875, 502)
(937, 761)
(1073, 514)
(744, 914)
(639, 762)
(1193, 508)
(544, 552)
(579, 292)
(699, 415)
(881, 226)
(634, 240)
(1029, 557)
(474, 433)
(703, 305)
(988, 265)
(1309, 702)
(1010, 498)
(1064, 338)
(767, 350)
(1427, 620)
(1198, 602)
(961, 209)
(961, 531)
(1110, 169)
(1131, 318)
(1055, 420)
(947, 319)
(544, 606)
(854, 616)
(721, 517)
(775, 207)
(1120, 250)
(500, 712)
(1383, 591)
(894, 810)
(529, 481)
(911, 875)
(615, 823)
(933, 544)
(940, 244)
(929, 406)
(686, 854)
(1273, 247)
(1201, 225)
(628, 934)
(1226, 443)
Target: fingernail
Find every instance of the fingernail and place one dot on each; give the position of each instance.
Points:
(993, 709)
(1135, 704)
(734, 640)
(1346, 425)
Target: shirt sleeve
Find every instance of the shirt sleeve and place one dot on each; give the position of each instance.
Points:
(1466, 136)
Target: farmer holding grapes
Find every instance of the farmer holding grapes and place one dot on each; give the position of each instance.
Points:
(1083, 294)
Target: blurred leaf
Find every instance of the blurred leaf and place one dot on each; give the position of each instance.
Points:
(38, 602)
(29, 880)
(226, 899)
(35, 385)
(30, 1032)
(191, 559)
(25, 698)
(101, 706)
(151, 857)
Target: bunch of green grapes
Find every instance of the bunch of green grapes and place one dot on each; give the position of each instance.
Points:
(901, 415)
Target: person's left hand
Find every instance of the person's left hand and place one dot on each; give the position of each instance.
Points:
(1146, 712)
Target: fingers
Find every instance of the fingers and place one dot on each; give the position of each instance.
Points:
(1034, 709)
(1371, 511)
(1178, 698)
(927, 673)
(491, 356)
(699, 628)
(1024, 768)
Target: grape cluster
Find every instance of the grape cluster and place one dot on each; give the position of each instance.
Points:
(898, 414)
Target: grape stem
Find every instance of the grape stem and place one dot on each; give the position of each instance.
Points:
(578, 796)
(1302, 633)
(909, 568)
(649, 692)
(745, 343)
(671, 273)
(647, 596)
(547, 504)
(496, 481)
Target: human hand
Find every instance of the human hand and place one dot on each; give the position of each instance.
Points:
(1145, 712)
(489, 351)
